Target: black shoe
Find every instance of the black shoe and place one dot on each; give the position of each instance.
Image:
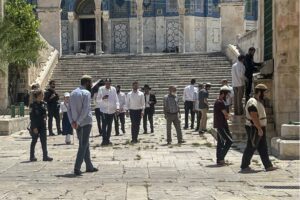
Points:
(48, 159)
(134, 141)
(123, 131)
(181, 142)
(201, 132)
(145, 132)
(192, 127)
(33, 159)
(92, 170)
(152, 131)
(59, 133)
(169, 143)
(77, 172)
(185, 128)
(51, 134)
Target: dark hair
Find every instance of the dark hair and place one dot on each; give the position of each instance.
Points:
(241, 57)
(118, 86)
(85, 80)
(193, 81)
(37, 93)
(252, 49)
(135, 82)
(51, 82)
(224, 92)
(107, 80)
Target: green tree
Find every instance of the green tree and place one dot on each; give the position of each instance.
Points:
(19, 38)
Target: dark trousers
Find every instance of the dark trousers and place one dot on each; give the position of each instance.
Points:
(135, 117)
(43, 138)
(173, 119)
(189, 107)
(224, 143)
(198, 114)
(107, 120)
(119, 118)
(83, 134)
(53, 113)
(248, 89)
(98, 118)
(148, 115)
(262, 149)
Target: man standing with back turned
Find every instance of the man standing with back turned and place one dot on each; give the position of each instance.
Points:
(80, 116)
(188, 98)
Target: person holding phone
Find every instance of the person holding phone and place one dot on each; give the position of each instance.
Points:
(109, 106)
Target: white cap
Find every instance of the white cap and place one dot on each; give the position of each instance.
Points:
(66, 94)
(225, 88)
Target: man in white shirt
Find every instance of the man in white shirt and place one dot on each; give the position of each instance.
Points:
(229, 97)
(188, 98)
(120, 117)
(136, 106)
(109, 105)
(238, 83)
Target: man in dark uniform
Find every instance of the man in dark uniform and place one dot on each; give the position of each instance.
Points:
(150, 101)
(251, 67)
(52, 98)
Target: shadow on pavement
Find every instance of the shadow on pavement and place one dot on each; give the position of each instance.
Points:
(70, 175)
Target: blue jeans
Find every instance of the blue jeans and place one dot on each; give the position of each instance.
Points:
(83, 134)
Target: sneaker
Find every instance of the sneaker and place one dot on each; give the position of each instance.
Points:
(33, 159)
(269, 169)
(247, 170)
(48, 159)
(92, 170)
(77, 172)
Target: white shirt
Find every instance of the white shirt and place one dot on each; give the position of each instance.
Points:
(196, 100)
(230, 96)
(111, 104)
(122, 101)
(260, 110)
(135, 100)
(238, 74)
(188, 93)
(147, 97)
(63, 107)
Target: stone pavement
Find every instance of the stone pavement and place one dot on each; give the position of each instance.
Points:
(149, 170)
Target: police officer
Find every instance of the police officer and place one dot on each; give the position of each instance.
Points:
(51, 98)
(256, 122)
(38, 125)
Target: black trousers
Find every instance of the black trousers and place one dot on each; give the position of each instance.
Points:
(198, 114)
(148, 115)
(135, 117)
(43, 138)
(117, 119)
(262, 149)
(248, 89)
(98, 118)
(189, 108)
(224, 143)
(53, 112)
(107, 120)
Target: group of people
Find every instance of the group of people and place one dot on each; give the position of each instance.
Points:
(114, 105)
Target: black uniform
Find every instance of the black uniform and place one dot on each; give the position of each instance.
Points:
(53, 110)
(38, 120)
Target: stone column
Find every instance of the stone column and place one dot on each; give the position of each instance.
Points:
(50, 27)
(1, 9)
(181, 11)
(98, 14)
(76, 34)
(71, 18)
(140, 35)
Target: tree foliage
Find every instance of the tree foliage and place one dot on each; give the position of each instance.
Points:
(19, 38)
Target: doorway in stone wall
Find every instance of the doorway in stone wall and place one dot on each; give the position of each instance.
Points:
(87, 35)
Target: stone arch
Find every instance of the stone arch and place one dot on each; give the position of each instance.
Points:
(85, 7)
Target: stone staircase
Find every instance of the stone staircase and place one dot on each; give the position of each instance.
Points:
(158, 70)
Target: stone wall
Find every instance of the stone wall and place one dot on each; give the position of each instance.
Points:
(50, 28)
(249, 39)
(232, 15)
(286, 55)
(213, 34)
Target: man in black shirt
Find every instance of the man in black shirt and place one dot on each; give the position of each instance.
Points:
(52, 98)
(251, 67)
(220, 123)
